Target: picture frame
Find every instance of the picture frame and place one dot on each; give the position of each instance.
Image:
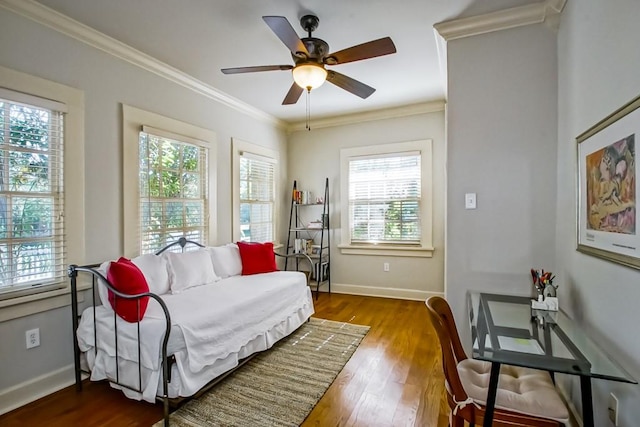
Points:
(607, 207)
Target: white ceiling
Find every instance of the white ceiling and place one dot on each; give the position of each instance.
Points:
(200, 37)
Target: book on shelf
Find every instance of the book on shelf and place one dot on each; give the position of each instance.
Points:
(303, 246)
(301, 197)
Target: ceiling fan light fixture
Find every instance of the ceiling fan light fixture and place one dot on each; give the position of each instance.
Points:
(309, 76)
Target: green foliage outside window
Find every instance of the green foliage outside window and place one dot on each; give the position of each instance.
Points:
(171, 189)
(256, 200)
(27, 208)
(385, 199)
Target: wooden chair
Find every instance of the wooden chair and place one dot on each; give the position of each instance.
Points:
(525, 397)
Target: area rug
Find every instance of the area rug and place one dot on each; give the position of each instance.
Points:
(278, 387)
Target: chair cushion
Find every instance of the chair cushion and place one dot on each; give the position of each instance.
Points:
(522, 390)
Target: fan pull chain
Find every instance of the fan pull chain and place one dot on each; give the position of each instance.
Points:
(308, 110)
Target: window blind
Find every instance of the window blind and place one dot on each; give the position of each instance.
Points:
(173, 188)
(384, 198)
(257, 198)
(32, 244)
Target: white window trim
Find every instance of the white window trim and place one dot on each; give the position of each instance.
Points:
(238, 147)
(425, 249)
(74, 181)
(133, 119)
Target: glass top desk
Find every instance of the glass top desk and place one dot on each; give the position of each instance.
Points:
(505, 329)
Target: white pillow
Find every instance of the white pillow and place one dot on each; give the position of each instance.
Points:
(155, 271)
(103, 292)
(226, 260)
(190, 269)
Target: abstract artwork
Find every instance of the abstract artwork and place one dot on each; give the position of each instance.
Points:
(611, 188)
(607, 191)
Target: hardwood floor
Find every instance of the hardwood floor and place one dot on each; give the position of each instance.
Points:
(393, 379)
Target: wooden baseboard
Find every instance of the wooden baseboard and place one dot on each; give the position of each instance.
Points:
(372, 291)
(35, 388)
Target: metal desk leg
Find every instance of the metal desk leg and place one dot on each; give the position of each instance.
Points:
(491, 394)
(587, 401)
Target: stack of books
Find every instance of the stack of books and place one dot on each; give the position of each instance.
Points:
(303, 246)
(302, 197)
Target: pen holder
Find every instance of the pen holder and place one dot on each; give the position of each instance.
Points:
(548, 303)
(546, 290)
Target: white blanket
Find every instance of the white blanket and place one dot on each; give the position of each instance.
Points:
(220, 318)
(216, 321)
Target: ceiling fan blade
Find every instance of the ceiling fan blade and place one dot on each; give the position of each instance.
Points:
(285, 32)
(293, 95)
(351, 85)
(362, 51)
(240, 70)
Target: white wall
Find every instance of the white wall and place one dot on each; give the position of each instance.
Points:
(107, 83)
(598, 65)
(315, 155)
(501, 145)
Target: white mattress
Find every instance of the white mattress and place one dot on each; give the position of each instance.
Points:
(212, 328)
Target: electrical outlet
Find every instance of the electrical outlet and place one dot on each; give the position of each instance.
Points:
(385, 266)
(613, 409)
(33, 337)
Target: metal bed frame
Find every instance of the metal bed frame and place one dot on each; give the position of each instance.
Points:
(167, 360)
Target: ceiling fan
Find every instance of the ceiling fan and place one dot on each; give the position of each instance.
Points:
(311, 54)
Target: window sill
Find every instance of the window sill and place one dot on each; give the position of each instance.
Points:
(387, 250)
(13, 308)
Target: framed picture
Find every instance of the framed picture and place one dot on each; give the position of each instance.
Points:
(607, 191)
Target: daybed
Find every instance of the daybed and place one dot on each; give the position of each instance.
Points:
(204, 313)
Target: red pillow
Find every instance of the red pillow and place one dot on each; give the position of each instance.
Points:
(257, 258)
(127, 278)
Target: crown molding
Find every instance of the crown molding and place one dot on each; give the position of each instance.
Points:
(547, 12)
(555, 5)
(46, 16)
(369, 116)
(441, 48)
(501, 20)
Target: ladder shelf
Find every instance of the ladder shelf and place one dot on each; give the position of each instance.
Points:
(311, 238)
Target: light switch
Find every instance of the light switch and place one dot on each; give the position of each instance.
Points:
(470, 201)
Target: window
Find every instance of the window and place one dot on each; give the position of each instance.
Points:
(31, 195)
(384, 198)
(173, 189)
(256, 199)
(387, 199)
(168, 168)
(254, 192)
(25, 294)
